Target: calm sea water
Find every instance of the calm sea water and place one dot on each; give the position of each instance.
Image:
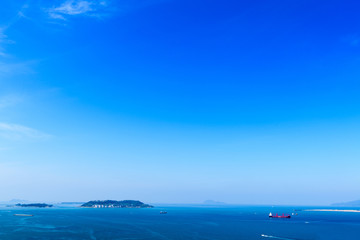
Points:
(180, 223)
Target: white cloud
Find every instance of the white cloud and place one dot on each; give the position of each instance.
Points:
(77, 7)
(74, 8)
(19, 132)
(56, 16)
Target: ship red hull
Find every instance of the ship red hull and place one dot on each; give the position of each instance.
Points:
(281, 216)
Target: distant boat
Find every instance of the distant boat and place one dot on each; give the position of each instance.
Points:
(23, 215)
(163, 212)
(279, 216)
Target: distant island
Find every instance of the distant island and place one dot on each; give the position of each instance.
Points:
(347, 204)
(116, 204)
(37, 205)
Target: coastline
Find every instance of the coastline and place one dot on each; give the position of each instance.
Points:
(332, 210)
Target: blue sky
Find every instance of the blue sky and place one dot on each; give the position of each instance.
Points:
(248, 102)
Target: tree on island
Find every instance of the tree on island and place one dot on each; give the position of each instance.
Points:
(116, 204)
(38, 205)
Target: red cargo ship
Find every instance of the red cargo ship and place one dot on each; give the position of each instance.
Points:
(279, 216)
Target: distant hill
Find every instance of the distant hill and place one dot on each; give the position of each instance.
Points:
(116, 204)
(212, 202)
(347, 204)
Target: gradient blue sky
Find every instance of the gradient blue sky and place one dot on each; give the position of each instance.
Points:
(177, 101)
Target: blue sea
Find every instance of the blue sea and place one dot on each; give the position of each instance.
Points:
(230, 222)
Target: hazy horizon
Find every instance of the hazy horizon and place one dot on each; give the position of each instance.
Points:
(203, 203)
(177, 101)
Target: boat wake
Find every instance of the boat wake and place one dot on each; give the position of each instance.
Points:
(274, 237)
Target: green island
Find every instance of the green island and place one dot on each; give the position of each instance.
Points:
(37, 205)
(116, 204)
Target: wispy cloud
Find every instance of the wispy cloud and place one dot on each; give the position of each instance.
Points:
(3, 37)
(8, 65)
(19, 132)
(21, 12)
(9, 100)
(77, 7)
(10, 68)
(3, 40)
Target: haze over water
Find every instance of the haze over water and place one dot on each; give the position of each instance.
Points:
(180, 223)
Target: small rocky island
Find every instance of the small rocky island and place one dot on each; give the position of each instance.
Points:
(37, 205)
(116, 204)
